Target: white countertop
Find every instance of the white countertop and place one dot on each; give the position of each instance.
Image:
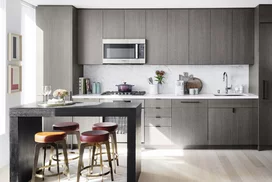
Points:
(163, 96)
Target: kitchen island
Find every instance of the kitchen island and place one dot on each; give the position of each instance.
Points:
(26, 120)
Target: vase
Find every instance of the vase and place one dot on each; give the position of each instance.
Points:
(160, 88)
(61, 98)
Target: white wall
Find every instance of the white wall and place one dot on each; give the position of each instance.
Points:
(13, 19)
(211, 76)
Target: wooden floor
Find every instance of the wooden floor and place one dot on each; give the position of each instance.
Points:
(193, 165)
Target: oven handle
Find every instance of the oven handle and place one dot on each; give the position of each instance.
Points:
(121, 100)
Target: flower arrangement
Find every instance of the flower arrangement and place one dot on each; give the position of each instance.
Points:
(60, 93)
(160, 76)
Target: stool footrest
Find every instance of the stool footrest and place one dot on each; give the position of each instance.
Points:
(95, 174)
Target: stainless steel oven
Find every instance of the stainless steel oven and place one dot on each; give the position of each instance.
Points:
(122, 121)
(123, 51)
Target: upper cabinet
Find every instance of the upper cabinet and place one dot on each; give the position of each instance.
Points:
(200, 36)
(243, 36)
(156, 36)
(90, 36)
(135, 24)
(173, 36)
(113, 24)
(57, 39)
(177, 37)
(221, 36)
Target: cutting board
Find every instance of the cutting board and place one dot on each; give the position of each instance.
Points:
(194, 83)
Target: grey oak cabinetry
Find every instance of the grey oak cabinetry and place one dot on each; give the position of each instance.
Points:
(243, 36)
(156, 36)
(157, 122)
(58, 25)
(232, 123)
(178, 36)
(189, 122)
(113, 24)
(89, 36)
(221, 36)
(265, 80)
(200, 36)
(135, 24)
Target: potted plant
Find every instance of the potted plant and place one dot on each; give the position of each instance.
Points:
(60, 94)
(160, 79)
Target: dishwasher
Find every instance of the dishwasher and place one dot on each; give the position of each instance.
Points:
(121, 132)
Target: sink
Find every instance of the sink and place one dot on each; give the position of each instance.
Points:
(231, 94)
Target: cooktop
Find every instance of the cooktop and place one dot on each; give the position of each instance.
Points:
(124, 93)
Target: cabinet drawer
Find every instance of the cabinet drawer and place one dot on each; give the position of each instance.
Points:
(189, 103)
(158, 122)
(158, 103)
(233, 103)
(158, 136)
(154, 112)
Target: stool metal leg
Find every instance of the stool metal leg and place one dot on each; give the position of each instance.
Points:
(81, 152)
(93, 155)
(63, 142)
(113, 152)
(36, 157)
(101, 161)
(109, 159)
(44, 157)
(115, 144)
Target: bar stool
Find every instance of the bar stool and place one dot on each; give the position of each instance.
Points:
(44, 139)
(94, 139)
(111, 128)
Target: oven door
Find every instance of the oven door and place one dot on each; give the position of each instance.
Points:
(123, 51)
(122, 121)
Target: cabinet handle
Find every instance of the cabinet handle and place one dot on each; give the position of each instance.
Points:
(233, 110)
(158, 107)
(189, 102)
(158, 117)
(265, 89)
(158, 126)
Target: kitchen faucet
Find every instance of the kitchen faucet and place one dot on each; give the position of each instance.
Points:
(225, 75)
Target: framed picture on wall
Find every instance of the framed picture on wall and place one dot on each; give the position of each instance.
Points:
(14, 47)
(14, 78)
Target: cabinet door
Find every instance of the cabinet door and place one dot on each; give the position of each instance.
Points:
(243, 36)
(221, 36)
(265, 64)
(90, 36)
(178, 31)
(222, 127)
(247, 122)
(56, 24)
(265, 124)
(189, 125)
(113, 24)
(156, 35)
(200, 36)
(135, 24)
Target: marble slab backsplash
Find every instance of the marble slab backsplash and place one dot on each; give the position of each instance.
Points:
(211, 76)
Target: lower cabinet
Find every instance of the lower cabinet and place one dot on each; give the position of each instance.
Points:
(189, 122)
(233, 126)
(158, 136)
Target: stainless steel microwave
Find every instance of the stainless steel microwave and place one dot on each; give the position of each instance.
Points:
(123, 51)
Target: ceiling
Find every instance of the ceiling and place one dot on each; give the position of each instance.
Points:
(152, 3)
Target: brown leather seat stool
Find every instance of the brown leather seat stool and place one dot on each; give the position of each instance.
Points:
(111, 128)
(70, 128)
(44, 139)
(94, 139)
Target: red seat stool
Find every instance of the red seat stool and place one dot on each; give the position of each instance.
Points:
(44, 139)
(111, 128)
(94, 139)
(70, 128)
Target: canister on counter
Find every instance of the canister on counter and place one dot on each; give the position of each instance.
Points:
(94, 88)
(98, 88)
